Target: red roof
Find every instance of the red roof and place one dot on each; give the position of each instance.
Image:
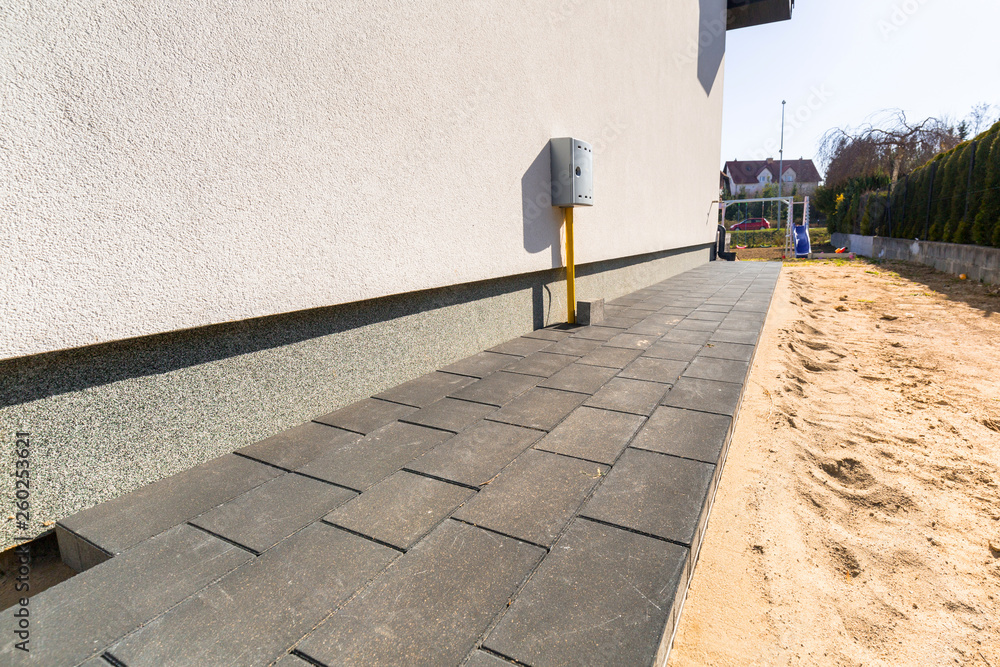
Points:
(745, 172)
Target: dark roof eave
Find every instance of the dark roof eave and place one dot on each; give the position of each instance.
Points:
(748, 13)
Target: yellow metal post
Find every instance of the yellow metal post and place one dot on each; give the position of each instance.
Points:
(570, 269)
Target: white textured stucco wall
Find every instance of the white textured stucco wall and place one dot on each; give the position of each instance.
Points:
(175, 164)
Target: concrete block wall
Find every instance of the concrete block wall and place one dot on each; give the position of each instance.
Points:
(859, 245)
(976, 262)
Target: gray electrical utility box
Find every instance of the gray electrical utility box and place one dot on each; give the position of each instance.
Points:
(572, 172)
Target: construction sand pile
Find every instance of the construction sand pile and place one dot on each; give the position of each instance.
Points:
(858, 519)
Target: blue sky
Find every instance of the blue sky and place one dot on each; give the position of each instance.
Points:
(838, 61)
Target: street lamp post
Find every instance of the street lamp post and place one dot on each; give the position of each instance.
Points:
(781, 166)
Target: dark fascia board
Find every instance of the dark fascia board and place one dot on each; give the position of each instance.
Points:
(747, 13)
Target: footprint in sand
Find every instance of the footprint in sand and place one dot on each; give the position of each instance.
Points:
(844, 559)
(852, 480)
(849, 472)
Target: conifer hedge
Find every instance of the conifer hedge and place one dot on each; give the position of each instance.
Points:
(954, 198)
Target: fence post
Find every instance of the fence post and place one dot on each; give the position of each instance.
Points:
(862, 206)
(906, 183)
(888, 208)
(930, 198)
(968, 185)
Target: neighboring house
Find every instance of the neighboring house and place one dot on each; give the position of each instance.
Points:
(221, 220)
(749, 177)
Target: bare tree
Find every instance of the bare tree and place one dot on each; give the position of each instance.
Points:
(980, 118)
(887, 142)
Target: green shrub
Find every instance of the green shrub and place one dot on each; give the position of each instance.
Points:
(897, 208)
(980, 232)
(944, 187)
(988, 216)
(958, 229)
(917, 209)
(938, 201)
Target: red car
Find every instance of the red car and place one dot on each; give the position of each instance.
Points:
(751, 223)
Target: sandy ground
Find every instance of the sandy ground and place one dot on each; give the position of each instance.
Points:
(858, 518)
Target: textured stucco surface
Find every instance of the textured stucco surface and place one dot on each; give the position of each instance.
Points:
(179, 164)
(107, 419)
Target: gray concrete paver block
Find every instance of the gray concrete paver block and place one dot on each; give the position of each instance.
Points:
(595, 332)
(653, 493)
(432, 606)
(705, 395)
(636, 396)
(728, 351)
(297, 446)
(603, 596)
(475, 456)
(400, 509)
(676, 335)
(498, 389)
(521, 347)
(484, 659)
(668, 349)
(127, 520)
(534, 497)
(651, 329)
(697, 325)
(654, 370)
(576, 347)
(709, 314)
(425, 389)
(621, 322)
(551, 333)
(675, 310)
(582, 378)
(610, 357)
(264, 516)
(632, 341)
(592, 434)
(541, 364)
(722, 370)
(365, 415)
(450, 414)
(480, 365)
(82, 615)
(256, 613)
(539, 408)
(361, 464)
(291, 660)
(686, 433)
